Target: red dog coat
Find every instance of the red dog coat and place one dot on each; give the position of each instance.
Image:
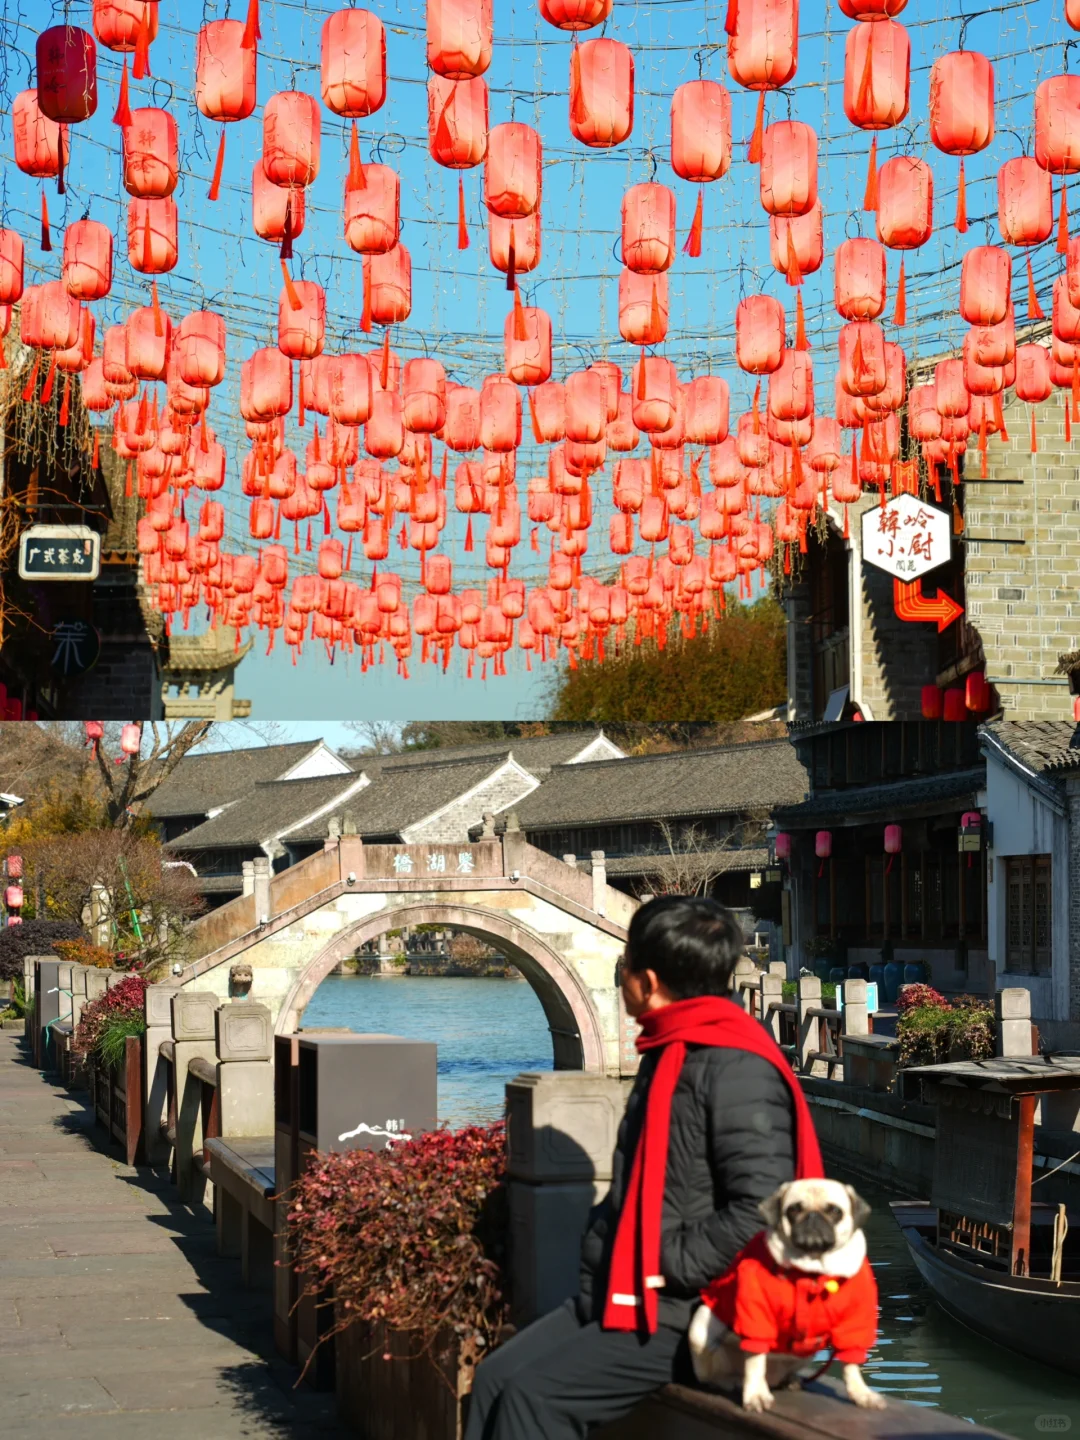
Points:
(786, 1311)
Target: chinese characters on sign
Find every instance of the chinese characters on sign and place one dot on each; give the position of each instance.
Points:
(906, 537)
(76, 647)
(463, 863)
(59, 552)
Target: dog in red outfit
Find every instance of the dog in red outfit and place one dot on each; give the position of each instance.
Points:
(802, 1285)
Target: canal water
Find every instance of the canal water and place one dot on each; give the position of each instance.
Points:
(490, 1030)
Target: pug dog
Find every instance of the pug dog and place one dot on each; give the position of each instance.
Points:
(749, 1331)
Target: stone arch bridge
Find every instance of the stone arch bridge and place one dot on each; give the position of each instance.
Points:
(564, 929)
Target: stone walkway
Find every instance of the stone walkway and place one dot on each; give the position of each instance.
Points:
(116, 1312)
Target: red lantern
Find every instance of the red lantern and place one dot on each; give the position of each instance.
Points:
(931, 702)
(622, 434)
(1025, 202)
(905, 213)
(119, 24)
(962, 111)
(265, 385)
(924, 418)
(151, 154)
(11, 267)
(50, 317)
(763, 46)
(66, 74)
(274, 210)
(575, 14)
(200, 348)
(788, 168)
(350, 388)
(823, 844)
(13, 897)
(153, 241)
(500, 414)
(225, 80)
(859, 291)
(37, 138)
(877, 70)
(459, 37)
(457, 121)
(797, 244)
(985, 285)
(353, 63)
(791, 387)
(655, 388)
(548, 406)
(648, 228)
(78, 358)
(706, 406)
(643, 308)
(701, 131)
(976, 693)
(863, 369)
(424, 406)
(462, 428)
(1033, 384)
(759, 334)
(950, 392)
(512, 180)
(1057, 124)
(87, 268)
(520, 237)
(824, 453)
(372, 211)
(148, 343)
(894, 836)
(586, 407)
(390, 283)
(527, 345)
(601, 93)
(291, 139)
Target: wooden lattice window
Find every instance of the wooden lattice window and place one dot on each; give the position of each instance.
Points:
(1028, 916)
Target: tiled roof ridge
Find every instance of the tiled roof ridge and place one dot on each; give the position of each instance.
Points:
(685, 752)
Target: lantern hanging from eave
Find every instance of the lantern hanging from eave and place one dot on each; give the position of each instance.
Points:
(962, 111)
(151, 154)
(859, 284)
(390, 284)
(759, 334)
(265, 385)
(788, 174)
(424, 397)
(457, 121)
(877, 71)
(601, 92)
(461, 430)
(87, 266)
(791, 387)
(153, 235)
(66, 74)
(643, 308)
(460, 35)
(148, 343)
(763, 43)
(863, 368)
(648, 228)
(527, 345)
(950, 392)
(372, 211)
(1057, 124)
(200, 348)
(516, 241)
(1033, 383)
(353, 63)
(797, 243)
(38, 139)
(500, 414)
(1025, 202)
(275, 211)
(706, 410)
(225, 80)
(655, 388)
(292, 135)
(905, 213)
(512, 170)
(985, 285)
(11, 267)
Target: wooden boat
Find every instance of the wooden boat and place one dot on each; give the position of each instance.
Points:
(1004, 1266)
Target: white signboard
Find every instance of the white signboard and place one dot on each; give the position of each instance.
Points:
(906, 537)
(59, 552)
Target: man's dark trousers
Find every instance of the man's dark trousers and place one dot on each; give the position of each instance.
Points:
(558, 1379)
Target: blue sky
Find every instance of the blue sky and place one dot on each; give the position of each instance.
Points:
(459, 300)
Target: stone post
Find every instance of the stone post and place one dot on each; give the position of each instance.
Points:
(570, 860)
(744, 969)
(599, 882)
(513, 847)
(772, 991)
(809, 998)
(63, 999)
(97, 982)
(855, 1020)
(28, 990)
(262, 877)
(193, 1038)
(560, 1131)
(247, 868)
(1013, 1011)
(245, 1083)
(158, 1011)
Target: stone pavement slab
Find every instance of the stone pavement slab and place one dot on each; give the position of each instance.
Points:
(117, 1316)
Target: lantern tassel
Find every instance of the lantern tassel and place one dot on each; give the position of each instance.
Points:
(791, 265)
(252, 32)
(365, 316)
(356, 180)
(123, 104)
(47, 390)
(1063, 222)
(578, 113)
(1068, 420)
(159, 327)
(641, 376)
(384, 373)
(801, 342)
(961, 201)
(539, 439)
(1034, 437)
(290, 289)
(753, 153)
(655, 322)
(1035, 310)
(511, 261)
(147, 242)
(755, 412)
(462, 227)
(141, 66)
(469, 536)
(31, 384)
(46, 237)
(870, 194)
(128, 491)
(219, 164)
(96, 462)
(731, 20)
(520, 330)
(999, 418)
(61, 159)
(287, 232)
(900, 308)
(693, 240)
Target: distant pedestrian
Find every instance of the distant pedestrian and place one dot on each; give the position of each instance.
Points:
(715, 1122)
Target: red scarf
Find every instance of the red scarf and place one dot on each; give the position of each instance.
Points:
(635, 1259)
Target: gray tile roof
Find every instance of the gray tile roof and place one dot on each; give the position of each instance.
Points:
(270, 807)
(537, 753)
(888, 800)
(722, 861)
(218, 777)
(724, 780)
(1045, 746)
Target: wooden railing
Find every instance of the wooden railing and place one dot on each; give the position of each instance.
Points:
(205, 1072)
(117, 1099)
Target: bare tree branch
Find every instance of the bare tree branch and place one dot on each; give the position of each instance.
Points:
(688, 861)
(141, 775)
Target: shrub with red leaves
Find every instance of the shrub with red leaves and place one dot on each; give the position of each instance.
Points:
(413, 1236)
(126, 1001)
(913, 997)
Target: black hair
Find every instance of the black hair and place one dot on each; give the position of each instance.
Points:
(691, 942)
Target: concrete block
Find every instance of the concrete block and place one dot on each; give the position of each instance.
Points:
(159, 1004)
(97, 982)
(193, 1014)
(546, 1226)
(562, 1125)
(246, 1097)
(1013, 1003)
(244, 1031)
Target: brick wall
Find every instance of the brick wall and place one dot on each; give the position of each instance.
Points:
(452, 825)
(898, 657)
(125, 684)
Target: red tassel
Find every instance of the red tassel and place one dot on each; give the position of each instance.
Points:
(753, 153)
(1068, 420)
(469, 535)
(534, 538)
(96, 462)
(384, 373)
(656, 323)
(46, 238)
(539, 439)
(356, 180)
(307, 543)
(801, 342)
(141, 68)
(1063, 223)
(290, 289)
(1035, 311)
(365, 315)
(147, 243)
(755, 410)
(731, 20)
(900, 308)
(215, 183)
(693, 240)
(159, 327)
(641, 376)
(870, 194)
(348, 556)
(511, 261)
(252, 33)
(520, 332)
(1034, 437)
(31, 384)
(961, 201)
(999, 418)
(128, 491)
(462, 227)
(65, 404)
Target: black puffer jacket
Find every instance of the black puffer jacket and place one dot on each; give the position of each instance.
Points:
(731, 1144)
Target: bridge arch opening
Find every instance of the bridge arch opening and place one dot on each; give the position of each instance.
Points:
(572, 1018)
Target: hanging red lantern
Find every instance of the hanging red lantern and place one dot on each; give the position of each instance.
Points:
(459, 37)
(87, 268)
(797, 243)
(643, 308)
(824, 453)
(200, 348)
(350, 387)
(292, 136)
(950, 392)
(1033, 383)
(265, 385)
(153, 235)
(701, 131)
(859, 288)
(905, 213)
(791, 387)
(462, 428)
(122, 25)
(586, 407)
(225, 80)
(706, 407)
(151, 154)
(500, 414)
(601, 93)
(924, 418)
(38, 140)
(353, 63)
(1057, 124)
(547, 404)
(424, 402)
(457, 121)
(512, 170)
(962, 111)
(823, 844)
(763, 43)
(276, 212)
(78, 358)
(788, 168)
(372, 211)
(575, 14)
(655, 388)
(648, 228)
(759, 334)
(877, 70)
(11, 267)
(50, 317)
(985, 285)
(148, 343)
(390, 285)
(979, 378)
(527, 345)
(66, 74)
(1025, 202)
(863, 368)
(622, 434)
(514, 244)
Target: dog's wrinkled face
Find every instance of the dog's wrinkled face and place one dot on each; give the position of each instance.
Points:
(814, 1216)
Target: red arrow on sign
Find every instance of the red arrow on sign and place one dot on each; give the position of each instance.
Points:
(911, 604)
